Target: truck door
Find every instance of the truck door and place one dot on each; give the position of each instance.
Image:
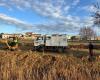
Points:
(38, 41)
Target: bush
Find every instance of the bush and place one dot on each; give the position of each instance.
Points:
(12, 44)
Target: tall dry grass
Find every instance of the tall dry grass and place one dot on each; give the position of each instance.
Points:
(33, 66)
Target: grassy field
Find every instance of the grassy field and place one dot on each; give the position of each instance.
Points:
(28, 65)
(84, 43)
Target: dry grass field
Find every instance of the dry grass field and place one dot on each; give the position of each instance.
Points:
(28, 65)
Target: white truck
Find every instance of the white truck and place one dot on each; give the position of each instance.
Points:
(54, 42)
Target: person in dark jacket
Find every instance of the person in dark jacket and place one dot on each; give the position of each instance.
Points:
(91, 49)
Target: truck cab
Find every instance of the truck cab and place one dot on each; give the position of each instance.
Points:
(39, 41)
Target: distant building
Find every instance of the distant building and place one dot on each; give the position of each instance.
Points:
(36, 35)
(98, 38)
(76, 38)
(6, 36)
(31, 35)
(94, 38)
(28, 34)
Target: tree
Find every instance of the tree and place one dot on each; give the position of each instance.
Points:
(87, 33)
(1, 35)
(96, 14)
(73, 38)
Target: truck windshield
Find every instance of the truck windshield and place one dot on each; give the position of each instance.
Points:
(39, 38)
(48, 38)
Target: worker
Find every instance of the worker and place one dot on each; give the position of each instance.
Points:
(90, 49)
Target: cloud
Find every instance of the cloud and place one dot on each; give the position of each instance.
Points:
(88, 21)
(56, 10)
(76, 2)
(56, 27)
(6, 5)
(89, 8)
(66, 25)
(48, 8)
(92, 7)
(13, 21)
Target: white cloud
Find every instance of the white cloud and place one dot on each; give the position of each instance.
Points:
(66, 8)
(88, 21)
(89, 8)
(69, 24)
(56, 10)
(13, 21)
(76, 2)
(6, 5)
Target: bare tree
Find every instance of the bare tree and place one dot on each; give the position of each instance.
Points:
(87, 33)
(96, 14)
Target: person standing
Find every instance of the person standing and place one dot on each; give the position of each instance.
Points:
(91, 49)
(91, 56)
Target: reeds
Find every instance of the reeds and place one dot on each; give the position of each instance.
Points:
(33, 66)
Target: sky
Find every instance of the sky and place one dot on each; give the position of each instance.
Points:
(46, 16)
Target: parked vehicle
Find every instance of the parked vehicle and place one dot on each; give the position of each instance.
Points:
(11, 43)
(54, 42)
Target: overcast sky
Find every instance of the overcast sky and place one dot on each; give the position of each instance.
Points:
(45, 16)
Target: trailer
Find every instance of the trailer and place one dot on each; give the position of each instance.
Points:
(54, 42)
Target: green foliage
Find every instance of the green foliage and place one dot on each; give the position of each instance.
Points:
(73, 38)
(12, 44)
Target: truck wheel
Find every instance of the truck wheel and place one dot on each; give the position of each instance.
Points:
(41, 48)
(34, 48)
